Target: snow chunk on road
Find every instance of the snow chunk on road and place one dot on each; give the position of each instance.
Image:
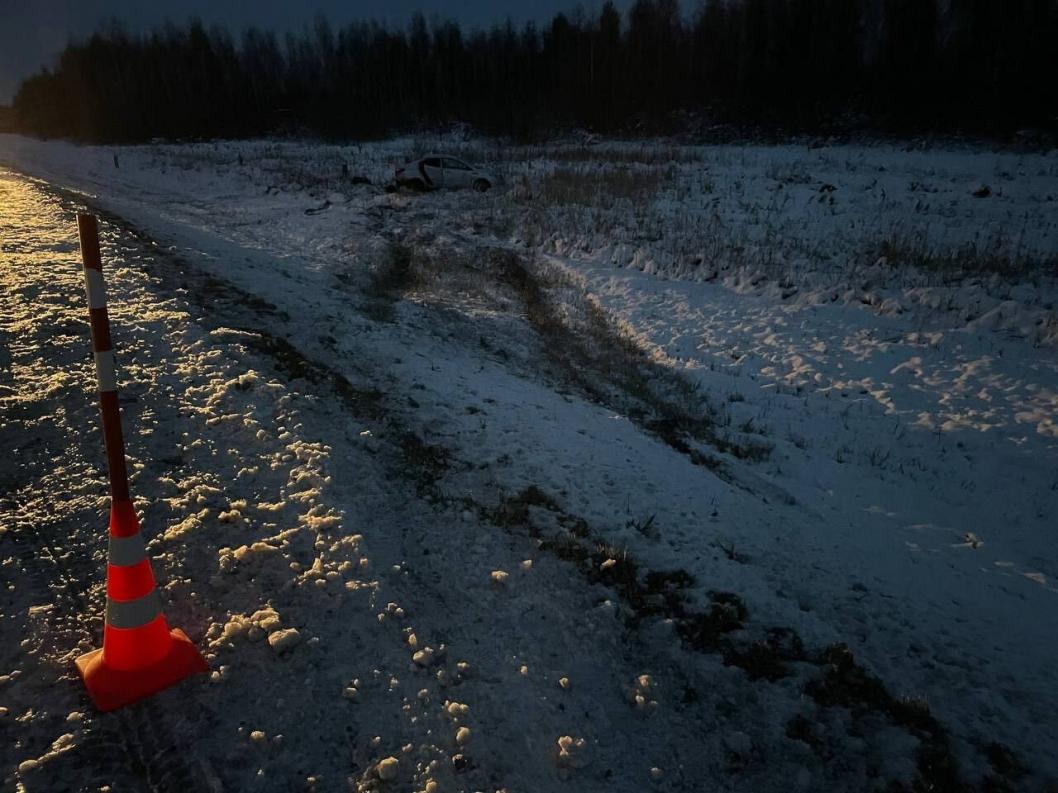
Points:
(186, 526)
(320, 522)
(423, 657)
(284, 640)
(253, 627)
(456, 709)
(266, 619)
(387, 768)
(229, 517)
(641, 694)
(570, 751)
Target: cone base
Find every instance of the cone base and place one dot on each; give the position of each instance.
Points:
(112, 688)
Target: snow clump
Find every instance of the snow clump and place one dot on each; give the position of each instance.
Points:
(570, 751)
(284, 640)
(387, 768)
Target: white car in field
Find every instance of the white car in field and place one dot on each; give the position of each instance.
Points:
(435, 171)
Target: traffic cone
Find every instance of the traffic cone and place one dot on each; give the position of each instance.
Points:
(140, 654)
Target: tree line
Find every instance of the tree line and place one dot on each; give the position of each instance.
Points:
(904, 65)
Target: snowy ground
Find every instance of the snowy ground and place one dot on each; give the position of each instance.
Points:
(714, 411)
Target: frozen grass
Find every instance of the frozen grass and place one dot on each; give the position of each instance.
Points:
(604, 187)
(910, 248)
(648, 153)
(803, 219)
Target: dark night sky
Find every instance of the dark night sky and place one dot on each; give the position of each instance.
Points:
(32, 32)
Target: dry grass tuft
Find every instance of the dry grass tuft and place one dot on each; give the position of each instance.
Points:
(597, 188)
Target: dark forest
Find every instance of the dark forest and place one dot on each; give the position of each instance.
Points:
(972, 66)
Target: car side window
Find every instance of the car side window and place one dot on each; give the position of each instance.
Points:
(456, 165)
(432, 162)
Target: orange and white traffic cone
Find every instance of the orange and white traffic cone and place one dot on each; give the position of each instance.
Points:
(140, 654)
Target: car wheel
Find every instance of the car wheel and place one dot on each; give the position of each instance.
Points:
(481, 185)
(418, 185)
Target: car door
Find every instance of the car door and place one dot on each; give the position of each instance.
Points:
(433, 172)
(457, 173)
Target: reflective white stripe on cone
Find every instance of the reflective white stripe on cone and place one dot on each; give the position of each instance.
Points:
(134, 613)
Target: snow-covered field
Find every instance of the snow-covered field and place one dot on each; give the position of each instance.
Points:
(658, 467)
